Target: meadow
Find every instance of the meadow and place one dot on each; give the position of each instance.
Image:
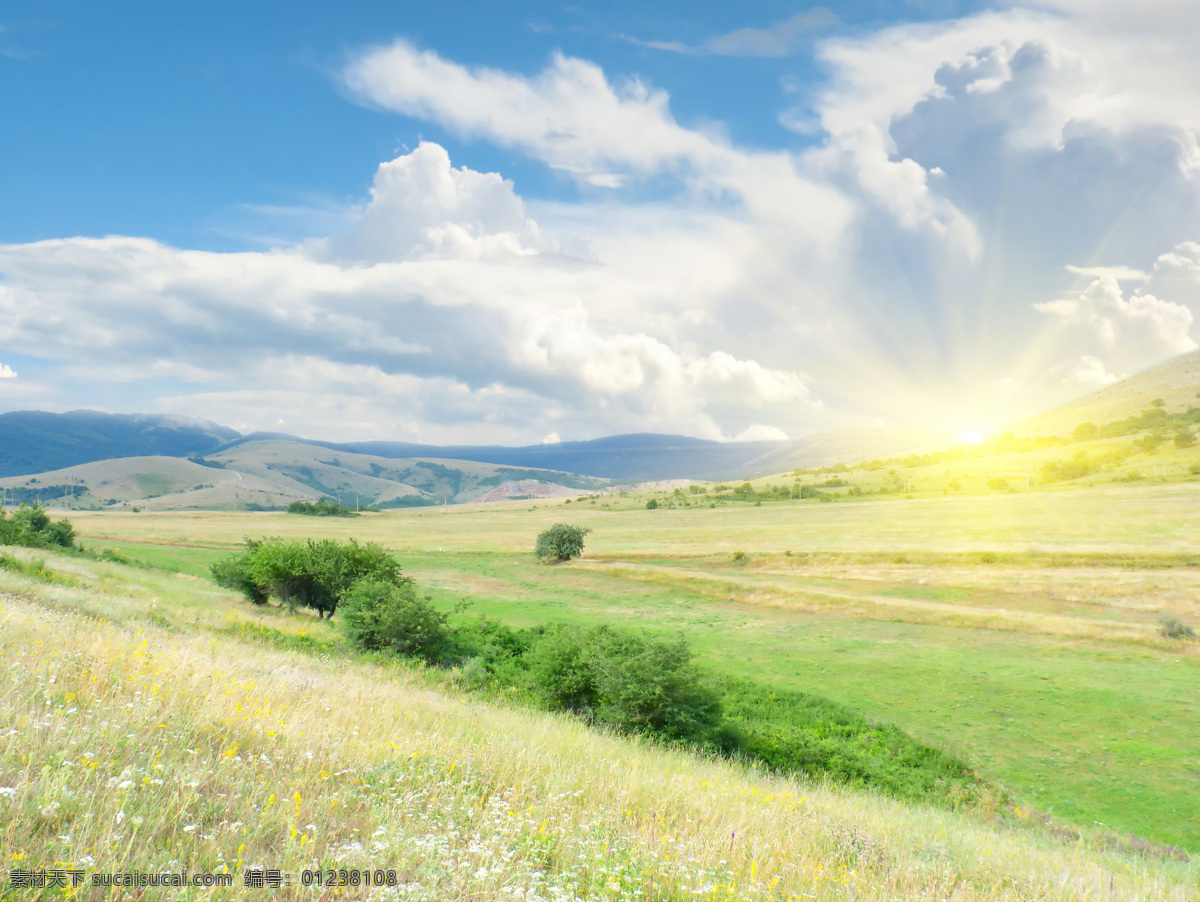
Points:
(1017, 630)
(154, 722)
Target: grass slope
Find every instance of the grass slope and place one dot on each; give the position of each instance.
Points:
(1018, 630)
(1175, 381)
(147, 727)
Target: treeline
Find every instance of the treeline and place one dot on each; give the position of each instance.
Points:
(630, 682)
(321, 508)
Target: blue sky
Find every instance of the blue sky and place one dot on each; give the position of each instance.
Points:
(498, 223)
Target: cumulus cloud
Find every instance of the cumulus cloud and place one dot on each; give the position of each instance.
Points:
(573, 119)
(422, 207)
(6, 372)
(982, 228)
(442, 306)
(1134, 331)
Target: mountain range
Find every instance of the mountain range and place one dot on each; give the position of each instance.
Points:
(162, 461)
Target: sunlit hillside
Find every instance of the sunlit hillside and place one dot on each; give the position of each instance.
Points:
(155, 723)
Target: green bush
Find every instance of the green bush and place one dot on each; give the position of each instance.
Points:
(322, 508)
(314, 574)
(631, 683)
(652, 504)
(794, 732)
(33, 528)
(1173, 628)
(380, 615)
(560, 542)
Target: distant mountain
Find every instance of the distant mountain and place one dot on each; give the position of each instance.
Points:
(646, 457)
(33, 441)
(1176, 382)
(272, 473)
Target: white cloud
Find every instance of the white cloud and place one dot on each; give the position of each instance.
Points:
(1120, 273)
(551, 439)
(781, 38)
(1089, 372)
(6, 372)
(761, 433)
(574, 120)
(443, 306)
(422, 208)
(1134, 331)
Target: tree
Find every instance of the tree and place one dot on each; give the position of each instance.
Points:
(33, 528)
(1184, 438)
(560, 542)
(1085, 432)
(315, 574)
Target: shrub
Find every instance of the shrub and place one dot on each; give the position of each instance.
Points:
(33, 528)
(322, 508)
(998, 484)
(1173, 628)
(1185, 438)
(233, 573)
(380, 615)
(560, 542)
(652, 504)
(632, 683)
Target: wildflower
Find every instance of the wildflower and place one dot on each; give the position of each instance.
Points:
(7, 792)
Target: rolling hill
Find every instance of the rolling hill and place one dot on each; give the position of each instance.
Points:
(1175, 381)
(273, 473)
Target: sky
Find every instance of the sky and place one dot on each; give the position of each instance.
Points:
(492, 223)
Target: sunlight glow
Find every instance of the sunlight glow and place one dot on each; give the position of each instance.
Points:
(971, 437)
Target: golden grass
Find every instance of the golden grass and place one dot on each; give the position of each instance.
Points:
(776, 591)
(135, 737)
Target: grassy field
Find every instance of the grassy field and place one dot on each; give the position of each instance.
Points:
(155, 723)
(1018, 630)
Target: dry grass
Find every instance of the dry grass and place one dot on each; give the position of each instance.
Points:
(134, 737)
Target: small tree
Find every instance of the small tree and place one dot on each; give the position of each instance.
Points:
(379, 615)
(1184, 438)
(33, 528)
(560, 542)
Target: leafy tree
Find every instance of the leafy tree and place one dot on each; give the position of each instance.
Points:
(1184, 438)
(33, 528)
(560, 542)
(233, 573)
(315, 574)
(1085, 432)
(652, 504)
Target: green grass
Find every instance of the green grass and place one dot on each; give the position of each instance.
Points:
(1043, 668)
(152, 718)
